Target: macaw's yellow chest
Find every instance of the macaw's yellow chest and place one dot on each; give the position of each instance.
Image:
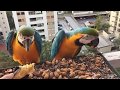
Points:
(24, 57)
(68, 48)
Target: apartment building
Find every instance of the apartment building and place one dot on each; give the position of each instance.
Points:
(45, 22)
(115, 23)
(52, 24)
(4, 25)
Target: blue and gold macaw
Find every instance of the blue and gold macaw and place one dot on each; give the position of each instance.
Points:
(68, 44)
(25, 45)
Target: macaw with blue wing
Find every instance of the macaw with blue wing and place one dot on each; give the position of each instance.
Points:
(68, 44)
(25, 45)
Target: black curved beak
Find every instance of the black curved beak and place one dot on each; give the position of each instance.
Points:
(94, 43)
(27, 44)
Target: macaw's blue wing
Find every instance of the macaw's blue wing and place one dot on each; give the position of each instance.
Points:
(38, 41)
(57, 42)
(11, 36)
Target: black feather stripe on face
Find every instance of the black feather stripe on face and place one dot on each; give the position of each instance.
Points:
(77, 42)
(21, 44)
(94, 43)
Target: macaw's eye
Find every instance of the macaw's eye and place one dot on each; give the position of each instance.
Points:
(94, 42)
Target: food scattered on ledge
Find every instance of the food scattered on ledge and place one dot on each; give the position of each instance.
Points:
(85, 67)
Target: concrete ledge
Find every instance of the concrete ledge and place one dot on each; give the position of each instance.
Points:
(115, 63)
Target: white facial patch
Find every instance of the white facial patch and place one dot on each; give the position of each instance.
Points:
(20, 38)
(89, 37)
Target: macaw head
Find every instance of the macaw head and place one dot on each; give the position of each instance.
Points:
(25, 36)
(90, 37)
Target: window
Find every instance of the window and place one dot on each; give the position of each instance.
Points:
(114, 28)
(40, 25)
(118, 30)
(1, 33)
(52, 16)
(6, 31)
(33, 25)
(22, 20)
(32, 19)
(18, 13)
(39, 18)
(32, 13)
(22, 13)
(43, 36)
(38, 12)
(19, 20)
(41, 30)
(48, 17)
(119, 25)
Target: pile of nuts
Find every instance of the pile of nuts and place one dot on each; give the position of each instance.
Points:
(86, 67)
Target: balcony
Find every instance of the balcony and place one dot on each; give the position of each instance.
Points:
(35, 15)
(38, 28)
(35, 12)
(37, 22)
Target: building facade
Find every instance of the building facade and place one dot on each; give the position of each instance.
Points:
(4, 25)
(115, 23)
(45, 22)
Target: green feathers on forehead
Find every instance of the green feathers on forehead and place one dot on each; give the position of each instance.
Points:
(26, 31)
(84, 30)
(89, 31)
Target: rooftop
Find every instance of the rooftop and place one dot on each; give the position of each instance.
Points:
(112, 55)
(90, 14)
(103, 42)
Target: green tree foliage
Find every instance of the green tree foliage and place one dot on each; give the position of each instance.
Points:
(117, 42)
(46, 49)
(105, 26)
(7, 61)
(100, 24)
